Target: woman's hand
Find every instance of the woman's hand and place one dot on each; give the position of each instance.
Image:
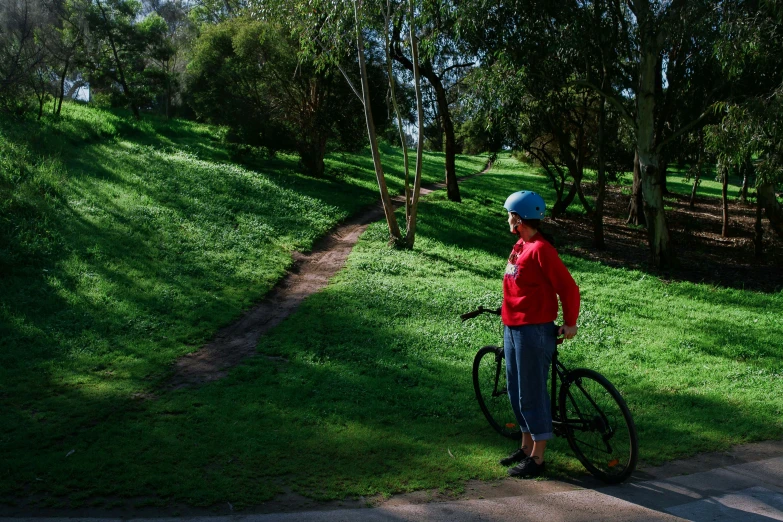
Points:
(568, 332)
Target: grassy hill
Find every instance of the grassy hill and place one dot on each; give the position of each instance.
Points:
(126, 244)
(132, 243)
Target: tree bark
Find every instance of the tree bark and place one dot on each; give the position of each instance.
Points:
(772, 209)
(758, 232)
(410, 234)
(388, 209)
(395, 105)
(62, 86)
(725, 199)
(452, 188)
(426, 70)
(661, 251)
(598, 213)
(561, 205)
(636, 204)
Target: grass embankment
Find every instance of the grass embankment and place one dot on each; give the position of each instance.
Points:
(124, 245)
(367, 388)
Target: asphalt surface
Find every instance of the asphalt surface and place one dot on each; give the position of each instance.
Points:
(745, 483)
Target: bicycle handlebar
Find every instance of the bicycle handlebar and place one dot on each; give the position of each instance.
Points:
(479, 311)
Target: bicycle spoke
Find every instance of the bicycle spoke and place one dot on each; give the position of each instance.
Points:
(598, 425)
(489, 381)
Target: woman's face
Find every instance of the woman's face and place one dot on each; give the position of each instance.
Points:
(512, 222)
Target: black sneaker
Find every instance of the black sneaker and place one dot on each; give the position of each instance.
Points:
(517, 456)
(528, 468)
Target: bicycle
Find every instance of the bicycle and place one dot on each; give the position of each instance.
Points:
(590, 413)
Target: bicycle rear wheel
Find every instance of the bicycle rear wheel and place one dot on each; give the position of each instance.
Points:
(598, 425)
(489, 381)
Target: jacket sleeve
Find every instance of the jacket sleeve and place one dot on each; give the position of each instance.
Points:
(560, 279)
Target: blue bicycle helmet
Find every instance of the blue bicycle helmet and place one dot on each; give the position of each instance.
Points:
(527, 204)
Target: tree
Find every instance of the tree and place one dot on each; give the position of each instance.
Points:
(441, 64)
(116, 47)
(247, 74)
(327, 32)
(168, 51)
(749, 52)
(22, 55)
(64, 41)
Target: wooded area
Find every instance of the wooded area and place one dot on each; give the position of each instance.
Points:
(597, 86)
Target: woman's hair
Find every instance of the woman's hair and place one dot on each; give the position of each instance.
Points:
(535, 224)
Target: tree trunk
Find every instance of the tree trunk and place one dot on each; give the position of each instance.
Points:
(747, 172)
(395, 105)
(598, 213)
(635, 206)
(725, 199)
(312, 152)
(661, 252)
(758, 236)
(772, 209)
(452, 188)
(443, 113)
(561, 205)
(41, 101)
(410, 234)
(388, 209)
(62, 87)
(699, 165)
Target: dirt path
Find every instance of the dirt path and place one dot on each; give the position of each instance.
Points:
(309, 274)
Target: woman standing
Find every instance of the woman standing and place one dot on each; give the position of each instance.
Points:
(535, 277)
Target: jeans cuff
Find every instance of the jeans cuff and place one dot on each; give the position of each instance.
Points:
(543, 436)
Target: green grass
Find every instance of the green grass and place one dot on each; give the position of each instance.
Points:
(709, 186)
(125, 244)
(366, 389)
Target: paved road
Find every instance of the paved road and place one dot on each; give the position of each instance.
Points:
(744, 484)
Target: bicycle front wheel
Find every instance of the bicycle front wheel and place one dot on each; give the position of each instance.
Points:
(489, 381)
(598, 425)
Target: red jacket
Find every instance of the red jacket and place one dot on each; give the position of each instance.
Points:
(535, 277)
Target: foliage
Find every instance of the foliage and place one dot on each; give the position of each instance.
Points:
(22, 53)
(247, 74)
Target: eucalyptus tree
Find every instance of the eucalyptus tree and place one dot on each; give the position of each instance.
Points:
(643, 30)
(247, 74)
(169, 54)
(542, 65)
(330, 28)
(119, 43)
(750, 53)
(22, 53)
(442, 63)
(64, 40)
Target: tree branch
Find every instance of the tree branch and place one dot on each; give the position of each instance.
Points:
(610, 98)
(457, 66)
(682, 131)
(345, 75)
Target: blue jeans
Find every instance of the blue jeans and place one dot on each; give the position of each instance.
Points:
(529, 349)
